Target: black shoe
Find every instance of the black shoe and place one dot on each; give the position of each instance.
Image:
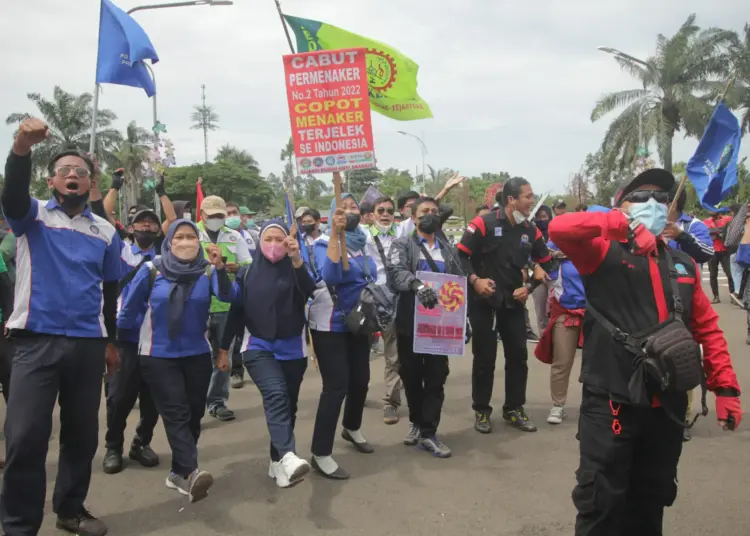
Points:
(687, 434)
(143, 454)
(716, 300)
(84, 524)
(519, 419)
(531, 336)
(482, 422)
(364, 448)
(112, 463)
(222, 413)
(338, 474)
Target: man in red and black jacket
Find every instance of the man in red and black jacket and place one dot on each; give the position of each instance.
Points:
(717, 225)
(629, 448)
(494, 250)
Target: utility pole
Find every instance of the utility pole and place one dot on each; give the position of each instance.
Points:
(205, 122)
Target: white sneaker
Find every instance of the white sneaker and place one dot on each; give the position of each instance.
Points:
(272, 468)
(293, 467)
(556, 415)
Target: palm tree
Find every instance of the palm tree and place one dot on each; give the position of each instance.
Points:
(738, 60)
(69, 120)
(131, 154)
(240, 157)
(205, 118)
(674, 95)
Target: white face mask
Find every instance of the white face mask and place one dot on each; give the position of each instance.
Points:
(187, 216)
(520, 218)
(383, 228)
(186, 251)
(214, 224)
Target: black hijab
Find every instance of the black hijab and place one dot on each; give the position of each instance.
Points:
(274, 307)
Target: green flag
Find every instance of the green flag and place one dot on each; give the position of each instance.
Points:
(392, 77)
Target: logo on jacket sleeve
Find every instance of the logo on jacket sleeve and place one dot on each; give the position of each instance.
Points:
(498, 231)
(680, 269)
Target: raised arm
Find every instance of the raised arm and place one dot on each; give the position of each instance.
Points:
(18, 206)
(584, 237)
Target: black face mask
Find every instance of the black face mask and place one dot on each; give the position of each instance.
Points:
(145, 239)
(71, 201)
(308, 228)
(352, 220)
(542, 225)
(429, 223)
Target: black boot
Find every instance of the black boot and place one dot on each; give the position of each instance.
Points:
(112, 463)
(143, 454)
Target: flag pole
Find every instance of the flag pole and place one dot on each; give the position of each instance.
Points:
(684, 178)
(283, 24)
(92, 141)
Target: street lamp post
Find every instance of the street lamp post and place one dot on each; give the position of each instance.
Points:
(423, 149)
(642, 151)
(188, 3)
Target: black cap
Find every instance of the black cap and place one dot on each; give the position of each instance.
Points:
(144, 214)
(656, 176)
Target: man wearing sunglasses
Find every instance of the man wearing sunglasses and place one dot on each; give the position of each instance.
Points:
(383, 232)
(630, 428)
(62, 326)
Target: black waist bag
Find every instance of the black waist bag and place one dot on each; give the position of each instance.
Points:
(666, 359)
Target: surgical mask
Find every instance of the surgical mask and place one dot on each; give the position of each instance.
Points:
(651, 214)
(71, 201)
(520, 218)
(429, 223)
(186, 251)
(145, 239)
(308, 228)
(273, 251)
(233, 222)
(214, 224)
(187, 216)
(352, 221)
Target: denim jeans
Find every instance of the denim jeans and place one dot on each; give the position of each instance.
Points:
(218, 389)
(279, 382)
(737, 271)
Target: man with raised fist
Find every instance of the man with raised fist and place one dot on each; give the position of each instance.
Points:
(62, 329)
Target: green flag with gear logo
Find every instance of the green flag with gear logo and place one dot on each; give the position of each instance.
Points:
(392, 77)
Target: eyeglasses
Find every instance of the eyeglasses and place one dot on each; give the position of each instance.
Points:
(642, 196)
(383, 210)
(64, 171)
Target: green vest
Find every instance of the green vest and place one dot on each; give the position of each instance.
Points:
(234, 248)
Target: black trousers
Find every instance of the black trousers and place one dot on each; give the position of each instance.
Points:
(125, 387)
(5, 366)
(720, 258)
(424, 378)
(625, 480)
(179, 387)
(236, 359)
(344, 363)
(511, 325)
(47, 369)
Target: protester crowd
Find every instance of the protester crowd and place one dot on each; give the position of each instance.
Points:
(176, 311)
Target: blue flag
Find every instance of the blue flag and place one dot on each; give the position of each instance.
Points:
(291, 221)
(123, 45)
(713, 167)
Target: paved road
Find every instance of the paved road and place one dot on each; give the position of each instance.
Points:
(507, 483)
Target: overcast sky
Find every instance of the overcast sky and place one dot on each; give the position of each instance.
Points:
(511, 84)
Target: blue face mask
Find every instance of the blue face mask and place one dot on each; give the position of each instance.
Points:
(651, 214)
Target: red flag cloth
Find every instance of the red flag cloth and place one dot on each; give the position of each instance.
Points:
(198, 201)
(489, 194)
(543, 350)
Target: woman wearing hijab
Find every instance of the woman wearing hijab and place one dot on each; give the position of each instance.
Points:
(542, 293)
(172, 295)
(343, 357)
(270, 298)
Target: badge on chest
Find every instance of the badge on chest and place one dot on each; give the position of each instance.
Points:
(498, 231)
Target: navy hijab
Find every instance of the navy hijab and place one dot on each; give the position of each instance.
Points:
(182, 275)
(274, 308)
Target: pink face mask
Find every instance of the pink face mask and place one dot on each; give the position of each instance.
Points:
(273, 251)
